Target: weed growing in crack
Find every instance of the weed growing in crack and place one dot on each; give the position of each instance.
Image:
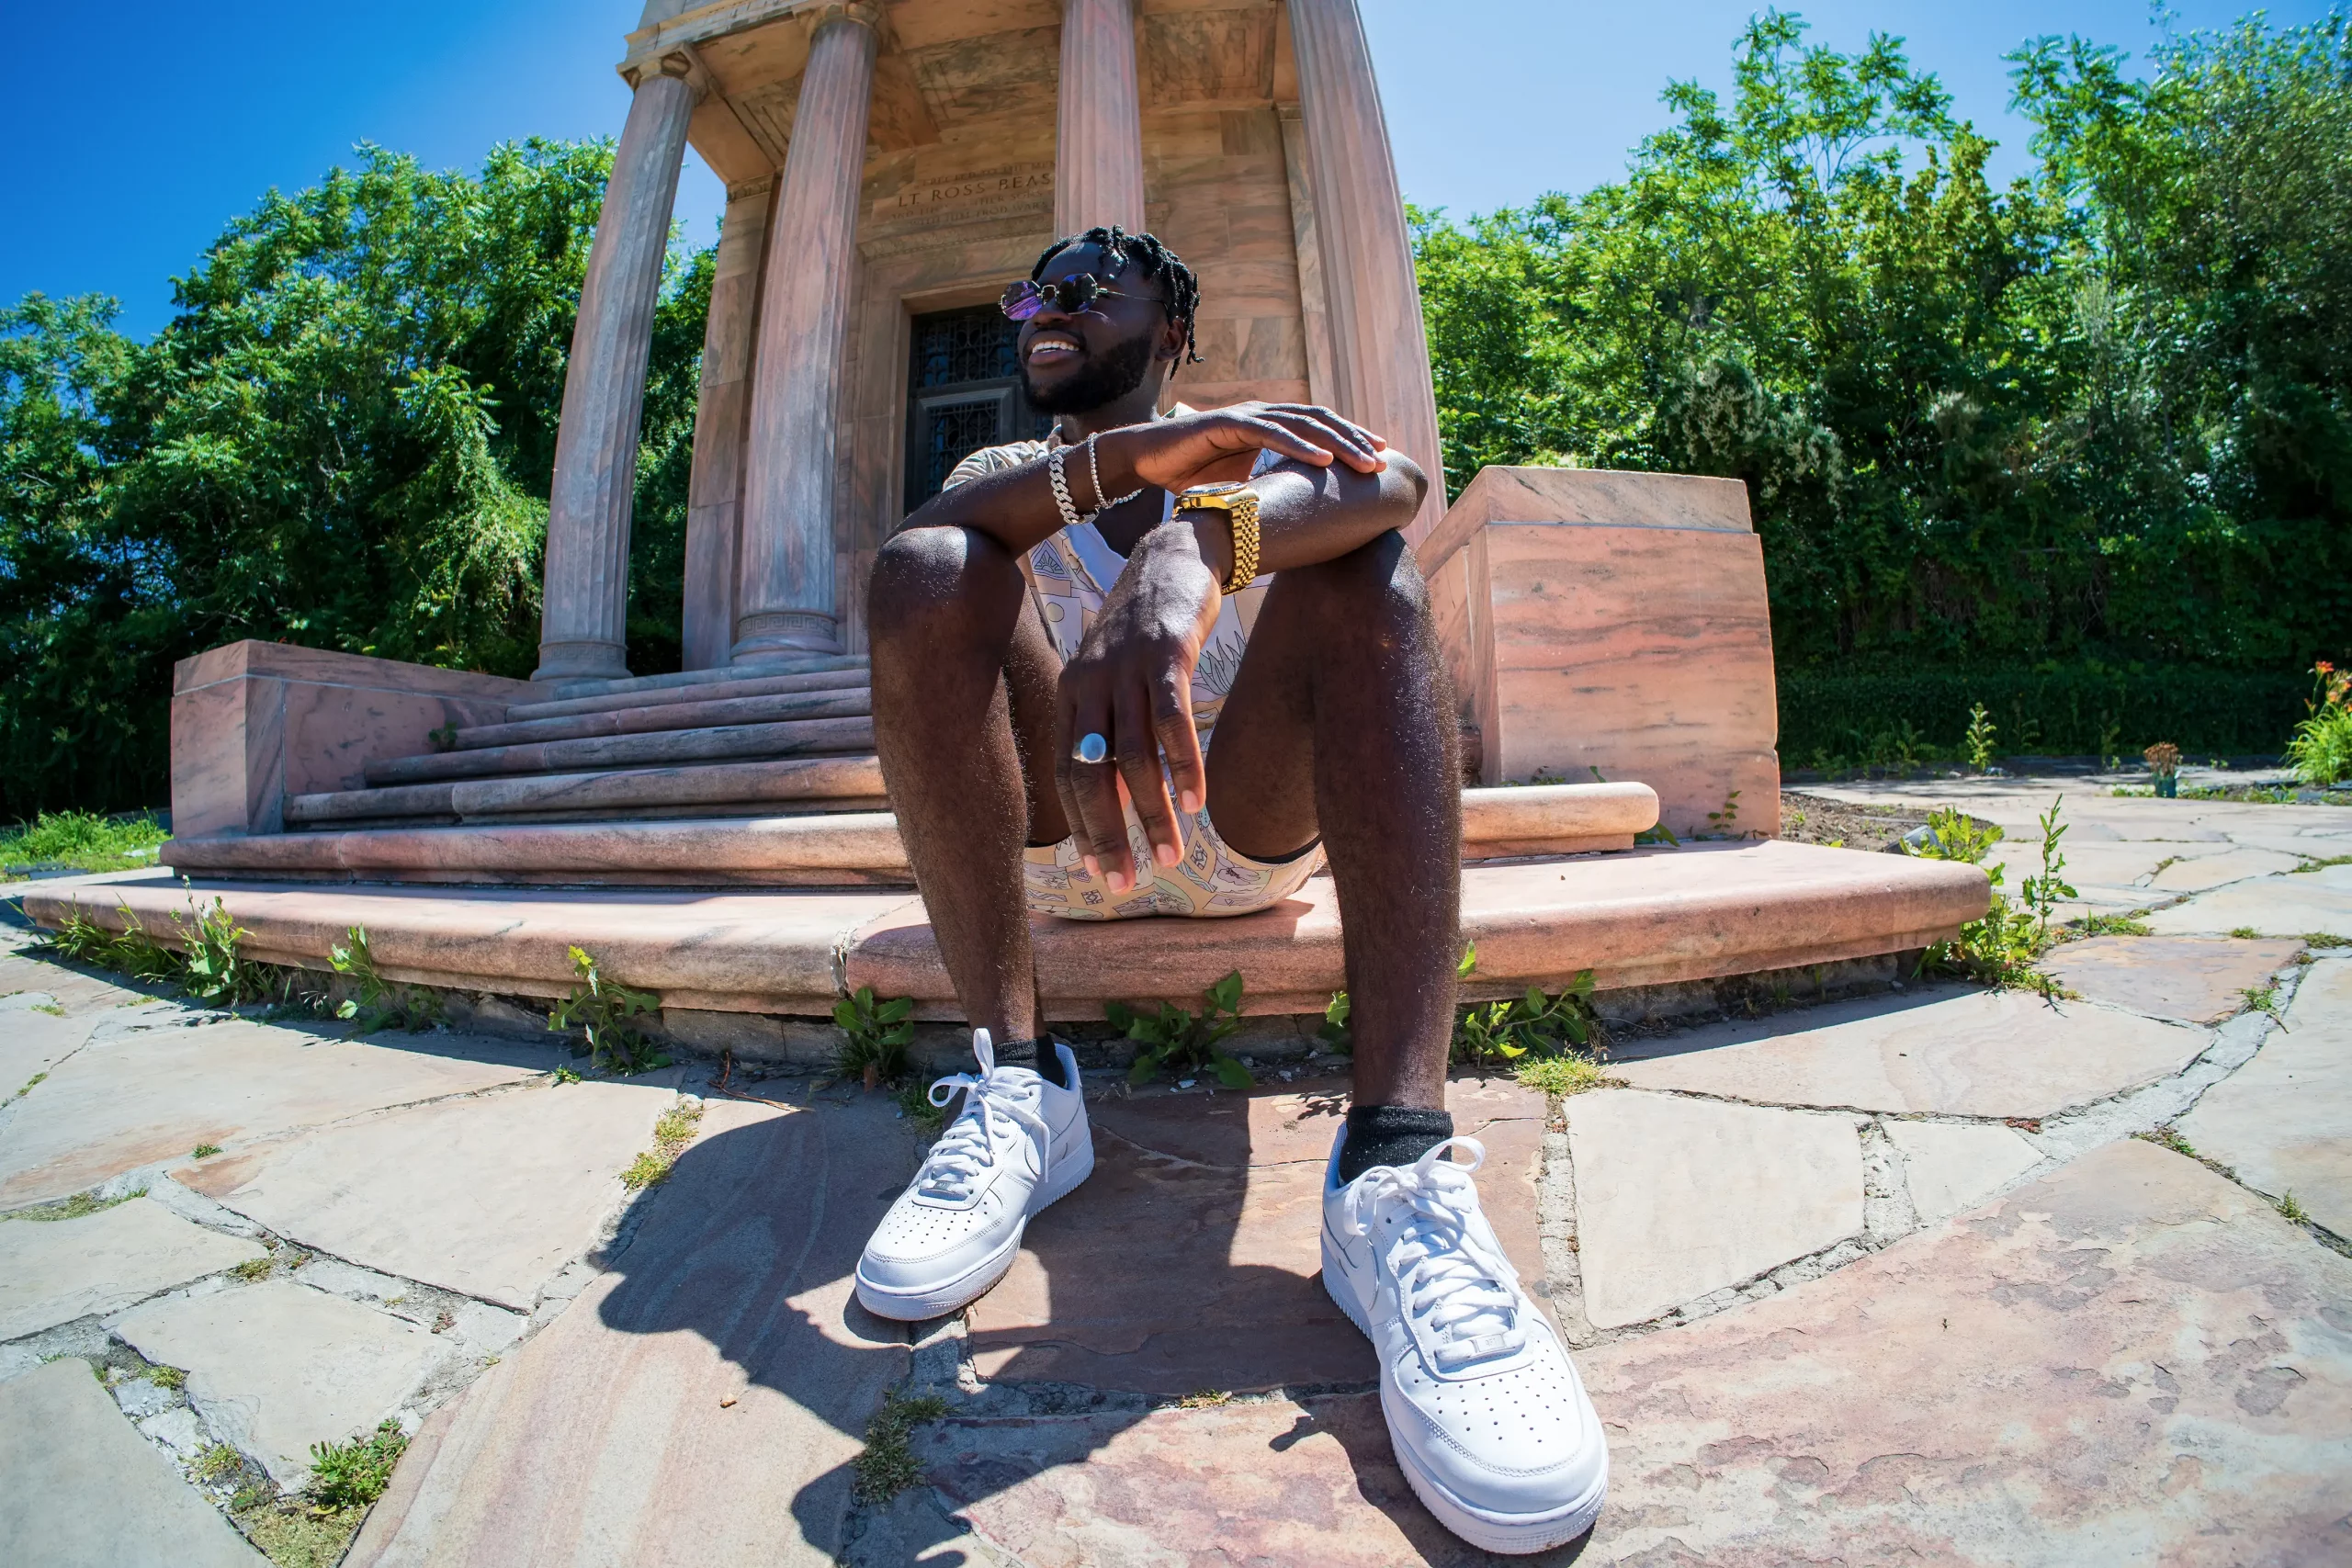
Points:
(2291, 1211)
(875, 1036)
(31, 1084)
(1204, 1399)
(1181, 1043)
(217, 1461)
(914, 1104)
(352, 1474)
(672, 1134)
(2309, 864)
(2263, 1000)
(204, 1151)
(73, 1207)
(2245, 933)
(253, 1269)
(168, 1377)
(601, 1009)
(1537, 1023)
(2325, 939)
(211, 968)
(1561, 1076)
(887, 1466)
(380, 1003)
(1979, 739)
(2000, 947)
(2168, 1136)
(2108, 925)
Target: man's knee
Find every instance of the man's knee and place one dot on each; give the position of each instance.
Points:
(1376, 583)
(936, 582)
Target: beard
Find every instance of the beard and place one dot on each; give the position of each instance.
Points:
(1103, 379)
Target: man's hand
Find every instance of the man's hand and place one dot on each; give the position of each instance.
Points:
(1131, 682)
(1222, 444)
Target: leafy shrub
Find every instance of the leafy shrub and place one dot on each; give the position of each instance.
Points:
(2321, 750)
(1999, 947)
(379, 1002)
(212, 969)
(875, 1036)
(1178, 1042)
(1537, 1023)
(601, 1009)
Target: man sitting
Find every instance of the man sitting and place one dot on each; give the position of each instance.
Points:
(1059, 639)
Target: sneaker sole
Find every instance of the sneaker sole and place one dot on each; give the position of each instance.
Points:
(938, 1301)
(1509, 1535)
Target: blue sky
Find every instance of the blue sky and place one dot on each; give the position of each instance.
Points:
(125, 147)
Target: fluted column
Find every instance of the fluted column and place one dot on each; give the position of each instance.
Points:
(1380, 357)
(787, 555)
(1098, 153)
(584, 602)
(722, 422)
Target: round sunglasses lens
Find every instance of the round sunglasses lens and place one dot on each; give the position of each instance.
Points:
(1022, 300)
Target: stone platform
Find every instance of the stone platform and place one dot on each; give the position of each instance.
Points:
(1643, 917)
(1884, 1279)
(824, 847)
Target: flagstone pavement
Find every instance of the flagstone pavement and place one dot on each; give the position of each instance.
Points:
(1927, 1274)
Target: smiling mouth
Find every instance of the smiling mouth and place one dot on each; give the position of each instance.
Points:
(1046, 350)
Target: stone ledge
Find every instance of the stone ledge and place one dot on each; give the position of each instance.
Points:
(1643, 918)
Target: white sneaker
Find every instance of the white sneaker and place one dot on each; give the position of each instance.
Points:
(1490, 1421)
(1018, 1143)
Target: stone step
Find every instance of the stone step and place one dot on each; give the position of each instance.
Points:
(852, 702)
(1647, 916)
(836, 784)
(793, 738)
(718, 684)
(631, 684)
(817, 849)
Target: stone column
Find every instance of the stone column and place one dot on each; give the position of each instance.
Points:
(787, 607)
(1098, 153)
(722, 416)
(585, 595)
(1380, 357)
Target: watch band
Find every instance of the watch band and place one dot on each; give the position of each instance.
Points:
(1239, 504)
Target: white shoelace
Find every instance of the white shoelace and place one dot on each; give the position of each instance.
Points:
(967, 1149)
(1445, 1277)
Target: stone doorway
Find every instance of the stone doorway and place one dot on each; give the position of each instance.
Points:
(962, 393)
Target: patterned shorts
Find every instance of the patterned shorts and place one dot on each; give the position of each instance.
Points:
(1211, 880)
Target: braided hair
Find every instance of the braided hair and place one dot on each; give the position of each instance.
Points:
(1155, 260)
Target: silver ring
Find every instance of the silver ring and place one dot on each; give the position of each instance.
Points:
(1090, 749)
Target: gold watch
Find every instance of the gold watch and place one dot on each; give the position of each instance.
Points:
(1239, 504)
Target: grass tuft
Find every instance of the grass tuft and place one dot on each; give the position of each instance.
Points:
(217, 1461)
(2108, 925)
(1561, 1076)
(2245, 933)
(75, 1207)
(2291, 1211)
(672, 1134)
(204, 1151)
(887, 1466)
(253, 1269)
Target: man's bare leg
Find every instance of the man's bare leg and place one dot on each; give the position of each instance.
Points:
(963, 687)
(1341, 721)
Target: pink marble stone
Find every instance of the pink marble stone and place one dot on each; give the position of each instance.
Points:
(254, 722)
(1616, 622)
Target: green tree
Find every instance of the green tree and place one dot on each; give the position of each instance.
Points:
(344, 438)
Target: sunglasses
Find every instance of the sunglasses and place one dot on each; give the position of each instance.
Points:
(1071, 294)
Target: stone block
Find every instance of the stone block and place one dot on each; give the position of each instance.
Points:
(1939, 1051)
(2194, 980)
(155, 1094)
(1678, 1197)
(85, 1491)
(57, 1270)
(2297, 903)
(254, 722)
(1613, 621)
(2128, 1360)
(1950, 1165)
(490, 1195)
(2283, 1122)
(604, 1436)
(276, 1367)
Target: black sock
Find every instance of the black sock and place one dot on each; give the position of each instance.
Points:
(1038, 1055)
(1390, 1134)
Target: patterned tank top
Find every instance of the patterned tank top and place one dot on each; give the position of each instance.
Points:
(1071, 572)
